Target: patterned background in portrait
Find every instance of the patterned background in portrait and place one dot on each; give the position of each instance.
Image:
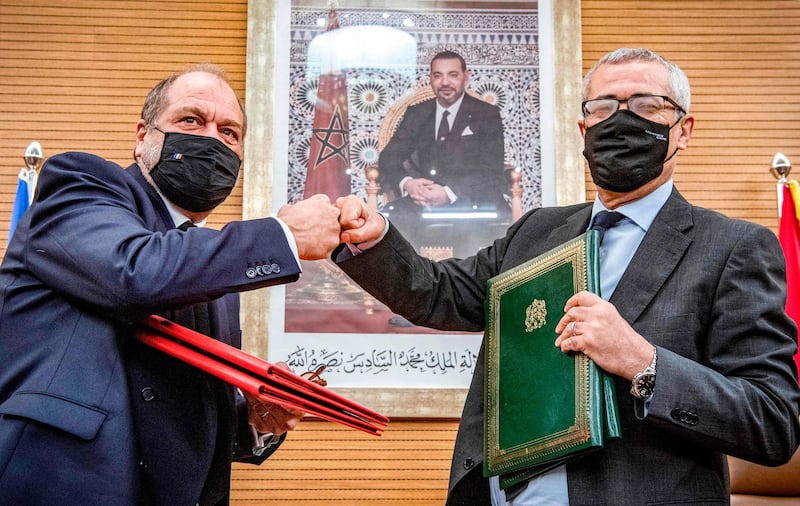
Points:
(501, 51)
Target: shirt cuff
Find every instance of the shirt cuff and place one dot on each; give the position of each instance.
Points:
(263, 442)
(452, 196)
(289, 238)
(404, 193)
(356, 248)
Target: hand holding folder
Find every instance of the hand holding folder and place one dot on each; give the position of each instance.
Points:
(257, 377)
(543, 408)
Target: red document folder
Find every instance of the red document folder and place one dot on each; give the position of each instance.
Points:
(257, 377)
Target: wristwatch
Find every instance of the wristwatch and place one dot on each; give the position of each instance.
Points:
(644, 383)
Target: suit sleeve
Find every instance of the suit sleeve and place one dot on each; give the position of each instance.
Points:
(89, 241)
(741, 396)
(400, 147)
(445, 295)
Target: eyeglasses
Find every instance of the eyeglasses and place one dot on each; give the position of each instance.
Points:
(651, 107)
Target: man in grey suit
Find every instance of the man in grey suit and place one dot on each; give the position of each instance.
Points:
(447, 157)
(691, 323)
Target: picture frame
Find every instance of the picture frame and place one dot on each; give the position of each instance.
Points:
(383, 369)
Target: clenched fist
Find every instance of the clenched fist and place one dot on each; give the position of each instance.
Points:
(314, 223)
(358, 222)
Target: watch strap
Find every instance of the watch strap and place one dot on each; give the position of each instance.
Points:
(643, 383)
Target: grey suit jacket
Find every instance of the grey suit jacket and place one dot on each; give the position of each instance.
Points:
(707, 290)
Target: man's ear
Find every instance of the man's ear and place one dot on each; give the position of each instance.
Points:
(141, 131)
(686, 126)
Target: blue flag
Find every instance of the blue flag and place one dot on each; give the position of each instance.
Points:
(22, 201)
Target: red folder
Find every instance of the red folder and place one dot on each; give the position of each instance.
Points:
(257, 377)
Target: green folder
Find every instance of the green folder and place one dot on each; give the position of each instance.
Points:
(543, 407)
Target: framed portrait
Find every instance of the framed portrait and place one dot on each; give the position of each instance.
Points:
(352, 82)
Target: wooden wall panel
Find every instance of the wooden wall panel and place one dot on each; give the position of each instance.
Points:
(324, 463)
(73, 75)
(743, 61)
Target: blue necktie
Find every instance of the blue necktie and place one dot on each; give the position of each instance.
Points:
(605, 220)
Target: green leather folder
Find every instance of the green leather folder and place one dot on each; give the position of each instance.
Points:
(543, 407)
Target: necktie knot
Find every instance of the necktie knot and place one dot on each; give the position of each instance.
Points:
(605, 220)
(444, 127)
(186, 225)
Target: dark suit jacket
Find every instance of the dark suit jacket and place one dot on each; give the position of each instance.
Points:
(88, 415)
(469, 161)
(707, 290)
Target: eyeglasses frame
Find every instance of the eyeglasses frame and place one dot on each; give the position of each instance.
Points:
(667, 99)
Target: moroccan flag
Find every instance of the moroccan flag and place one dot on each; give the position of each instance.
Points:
(329, 153)
(789, 236)
(26, 185)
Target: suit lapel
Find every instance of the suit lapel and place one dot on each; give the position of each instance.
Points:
(536, 243)
(663, 246)
(575, 225)
(164, 220)
(428, 120)
(463, 118)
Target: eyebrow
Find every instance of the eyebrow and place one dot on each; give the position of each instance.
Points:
(638, 94)
(199, 111)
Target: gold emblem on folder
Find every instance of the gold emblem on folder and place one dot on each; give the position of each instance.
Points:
(535, 315)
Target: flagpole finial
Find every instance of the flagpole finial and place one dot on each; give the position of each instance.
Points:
(781, 166)
(33, 156)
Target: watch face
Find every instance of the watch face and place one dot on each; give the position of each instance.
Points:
(645, 384)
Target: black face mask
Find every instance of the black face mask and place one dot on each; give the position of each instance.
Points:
(626, 151)
(195, 172)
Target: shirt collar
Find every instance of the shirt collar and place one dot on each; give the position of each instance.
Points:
(178, 217)
(644, 210)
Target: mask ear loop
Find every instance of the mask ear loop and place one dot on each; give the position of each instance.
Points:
(682, 115)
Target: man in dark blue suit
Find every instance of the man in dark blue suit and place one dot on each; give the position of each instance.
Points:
(446, 159)
(89, 415)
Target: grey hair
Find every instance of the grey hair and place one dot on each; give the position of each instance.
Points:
(678, 82)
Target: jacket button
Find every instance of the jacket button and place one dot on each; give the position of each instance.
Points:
(250, 272)
(147, 394)
(684, 416)
(276, 268)
(469, 463)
